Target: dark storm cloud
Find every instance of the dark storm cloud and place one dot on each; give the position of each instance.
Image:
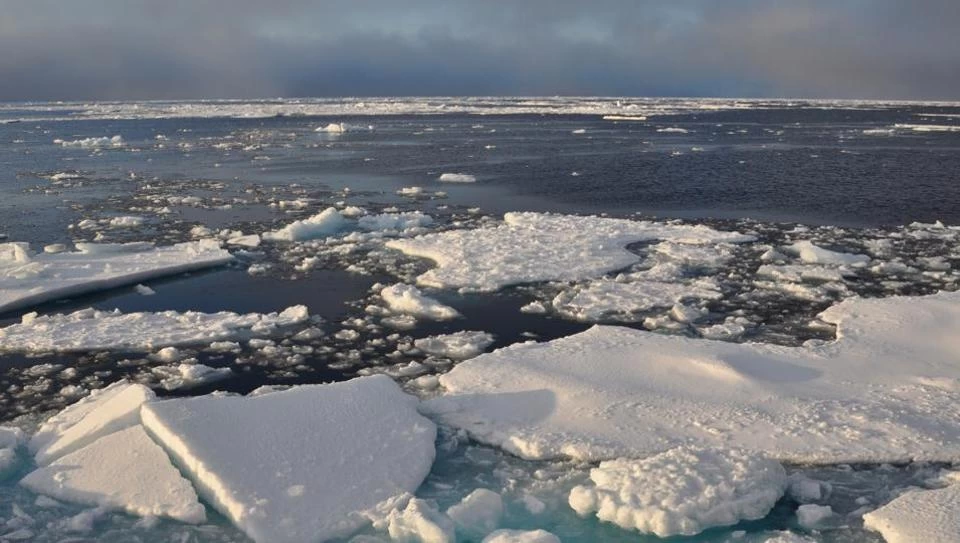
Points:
(114, 49)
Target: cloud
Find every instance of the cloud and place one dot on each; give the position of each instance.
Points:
(143, 49)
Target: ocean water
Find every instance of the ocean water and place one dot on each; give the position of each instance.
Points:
(842, 175)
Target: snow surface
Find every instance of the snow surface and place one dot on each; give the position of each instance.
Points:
(325, 223)
(28, 279)
(409, 300)
(458, 345)
(123, 470)
(682, 491)
(93, 330)
(303, 464)
(104, 414)
(534, 247)
(887, 390)
(930, 516)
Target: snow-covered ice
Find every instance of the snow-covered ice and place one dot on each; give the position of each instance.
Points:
(930, 516)
(28, 279)
(420, 522)
(533, 247)
(478, 513)
(458, 345)
(93, 143)
(76, 427)
(681, 491)
(394, 221)
(885, 391)
(812, 254)
(185, 376)
(521, 536)
(601, 298)
(325, 223)
(304, 464)
(457, 178)
(122, 470)
(409, 300)
(93, 330)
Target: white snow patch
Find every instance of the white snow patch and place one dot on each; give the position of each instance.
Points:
(347, 447)
(682, 491)
(93, 330)
(28, 279)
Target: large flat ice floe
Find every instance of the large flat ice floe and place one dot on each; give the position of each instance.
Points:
(534, 247)
(887, 390)
(93, 330)
(682, 491)
(28, 279)
(305, 464)
(931, 516)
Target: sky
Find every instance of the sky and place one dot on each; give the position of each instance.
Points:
(186, 49)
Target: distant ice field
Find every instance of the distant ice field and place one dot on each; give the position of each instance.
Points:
(413, 237)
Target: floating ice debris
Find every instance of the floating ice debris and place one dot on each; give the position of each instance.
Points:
(394, 221)
(624, 118)
(928, 127)
(579, 131)
(521, 536)
(92, 143)
(811, 254)
(673, 130)
(603, 298)
(250, 241)
(305, 464)
(332, 128)
(10, 439)
(457, 178)
(408, 299)
(325, 223)
(420, 521)
(812, 516)
(93, 330)
(28, 279)
(887, 390)
(122, 470)
(144, 290)
(931, 516)
(478, 513)
(458, 345)
(682, 491)
(126, 222)
(533, 247)
(184, 376)
(411, 191)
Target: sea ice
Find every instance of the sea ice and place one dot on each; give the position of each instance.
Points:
(28, 279)
(681, 491)
(92, 143)
(77, 426)
(457, 178)
(93, 330)
(407, 299)
(458, 345)
(930, 516)
(521, 536)
(812, 254)
(304, 464)
(885, 391)
(332, 128)
(533, 247)
(602, 298)
(185, 376)
(325, 223)
(812, 516)
(420, 522)
(394, 221)
(123, 470)
(478, 513)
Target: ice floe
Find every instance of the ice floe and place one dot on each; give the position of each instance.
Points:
(682, 491)
(458, 345)
(521, 536)
(930, 516)
(598, 299)
(28, 279)
(885, 391)
(122, 470)
(306, 464)
(93, 330)
(457, 178)
(93, 143)
(409, 300)
(325, 223)
(533, 247)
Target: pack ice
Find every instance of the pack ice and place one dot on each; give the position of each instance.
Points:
(534, 247)
(93, 330)
(887, 390)
(931, 516)
(28, 279)
(303, 464)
